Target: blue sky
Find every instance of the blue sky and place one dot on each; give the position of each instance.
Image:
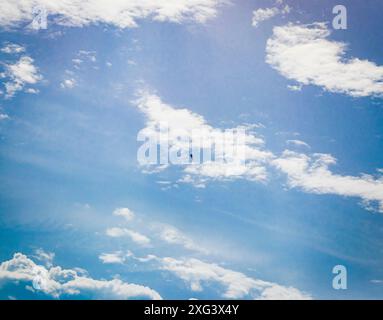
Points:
(79, 213)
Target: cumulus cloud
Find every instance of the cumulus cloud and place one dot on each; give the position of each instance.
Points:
(312, 174)
(135, 236)
(55, 281)
(19, 74)
(261, 15)
(122, 14)
(125, 213)
(305, 54)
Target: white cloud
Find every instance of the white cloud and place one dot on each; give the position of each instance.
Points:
(376, 281)
(124, 232)
(68, 83)
(245, 159)
(304, 53)
(236, 284)
(298, 143)
(18, 74)
(115, 232)
(261, 15)
(172, 235)
(312, 174)
(113, 257)
(12, 48)
(137, 237)
(86, 55)
(197, 273)
(3, 116)
(55, 281)
(83, 59)
(126, 213)
(277, 292)
(122, 14)
(77, 61)
(45, 257)
(160, 231)
(32, 90)
(295, 87)
(110, 289)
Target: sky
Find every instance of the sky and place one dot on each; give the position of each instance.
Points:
(81, 217)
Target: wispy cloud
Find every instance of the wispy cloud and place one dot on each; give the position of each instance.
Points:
(135, 236)
(298, 143)
(263, 14)
(197, 273)
(12, 48)
(113, 257)
(159, 231)
(45, 257)
(172, 235)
